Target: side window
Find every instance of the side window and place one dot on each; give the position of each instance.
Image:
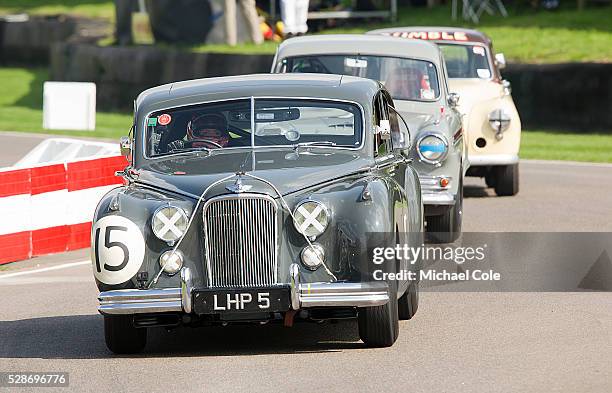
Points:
(400, 137)
(381, 112)
(396, 133)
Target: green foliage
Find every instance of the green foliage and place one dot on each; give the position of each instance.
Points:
(551, 145)
(90, 8)
(527, 36)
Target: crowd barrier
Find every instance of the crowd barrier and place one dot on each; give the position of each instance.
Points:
(48, 209)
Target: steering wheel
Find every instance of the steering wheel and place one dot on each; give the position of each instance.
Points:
(212, 143)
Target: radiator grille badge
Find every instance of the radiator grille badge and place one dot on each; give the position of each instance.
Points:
(238, 187)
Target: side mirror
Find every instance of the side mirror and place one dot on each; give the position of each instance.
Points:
(500, 60)
(507, 87)
(400, 137)
(125, 146)
(384, 129)
(453, 100)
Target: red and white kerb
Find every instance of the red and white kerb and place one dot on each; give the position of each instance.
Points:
(49, 209)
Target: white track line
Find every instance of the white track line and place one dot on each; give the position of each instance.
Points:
(45, 269)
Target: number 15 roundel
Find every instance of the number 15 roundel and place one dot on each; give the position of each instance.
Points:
(118, 249)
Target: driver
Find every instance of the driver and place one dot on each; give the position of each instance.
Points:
(208, 130)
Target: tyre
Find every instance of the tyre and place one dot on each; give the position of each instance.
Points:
(490, 179)
(507, 180)
(446, 228)
(379, 325)
(121, 336)
(408, 304)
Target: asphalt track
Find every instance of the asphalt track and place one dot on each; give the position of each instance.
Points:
(458, 342)
(15, 145)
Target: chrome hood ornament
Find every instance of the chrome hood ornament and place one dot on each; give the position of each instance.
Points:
(238, 187)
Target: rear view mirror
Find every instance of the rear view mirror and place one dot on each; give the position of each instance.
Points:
(267, 115)
(500, 60)
(355, 63)
(272, 115)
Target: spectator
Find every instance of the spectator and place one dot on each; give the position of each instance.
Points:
(295, 15)
(250, 14)
(123, 27)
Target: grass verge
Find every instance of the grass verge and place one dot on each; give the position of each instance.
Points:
(21, 106)
(565, 146)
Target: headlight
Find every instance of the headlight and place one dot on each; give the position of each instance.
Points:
(312, 256)
(171, 262)
(499, 120)
(169, 223)
(310, 218)
(432, 148)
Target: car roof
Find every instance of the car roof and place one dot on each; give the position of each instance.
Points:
(359, 44)
(294, 85)
(402, 32)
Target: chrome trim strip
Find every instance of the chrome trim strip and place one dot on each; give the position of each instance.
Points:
(143, 301)
(295, 285)
(320, 294)
(138, 301)
(493, 159)
(344, 294)
(186, 288)
(438, 198)
(433, 182)
(140, 308)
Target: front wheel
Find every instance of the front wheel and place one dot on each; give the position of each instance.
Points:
(408, 304)
(121, 336)
(379, 325)
(506, 180)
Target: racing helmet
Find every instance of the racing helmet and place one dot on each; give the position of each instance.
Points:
(211, 127)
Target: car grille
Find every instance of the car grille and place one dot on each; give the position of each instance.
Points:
(240, 233)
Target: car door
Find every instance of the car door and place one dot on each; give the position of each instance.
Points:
(401, 142)
(393, 166)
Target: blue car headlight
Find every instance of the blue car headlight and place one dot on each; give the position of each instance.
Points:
(432, 148)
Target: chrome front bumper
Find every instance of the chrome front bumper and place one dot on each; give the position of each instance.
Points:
(434, 194)
(493, 159)
(337, 294)
(138, 301)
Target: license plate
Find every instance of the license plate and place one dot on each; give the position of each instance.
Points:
(218, 301)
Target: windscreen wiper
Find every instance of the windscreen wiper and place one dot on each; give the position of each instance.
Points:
(316, 143)
(188, 150)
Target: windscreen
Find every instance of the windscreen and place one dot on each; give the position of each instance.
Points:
(466, 61)
(276, 122)
(405, 79)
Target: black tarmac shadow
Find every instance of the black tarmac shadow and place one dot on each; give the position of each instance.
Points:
(82, 337)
